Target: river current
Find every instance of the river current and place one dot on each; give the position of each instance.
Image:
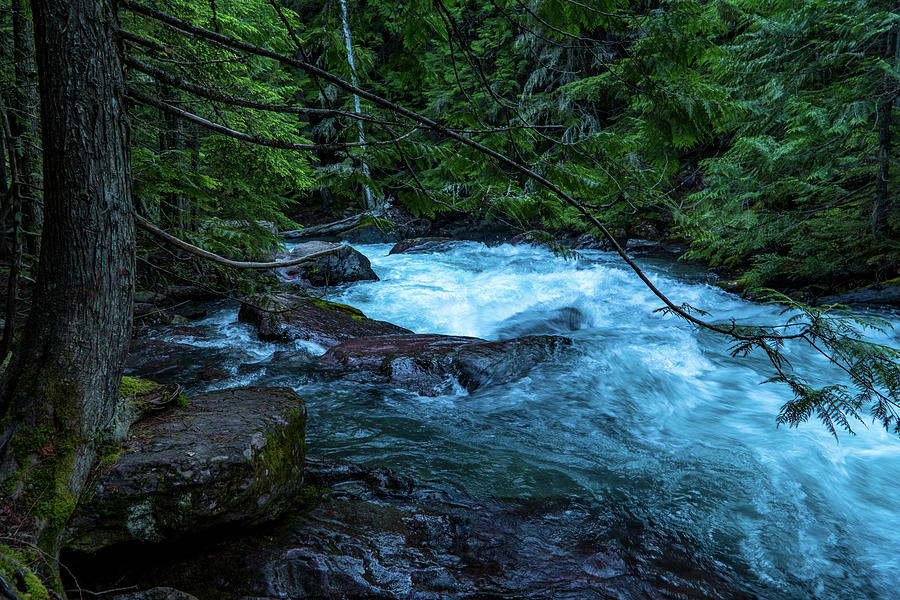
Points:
(645, 415)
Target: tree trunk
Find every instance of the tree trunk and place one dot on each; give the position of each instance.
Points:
(882, 174)
(171, 147)
(881, 206)
(58, 396)
(25, 124)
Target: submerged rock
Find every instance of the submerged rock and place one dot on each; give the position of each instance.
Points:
(233, 457)
(287, 317)
(537, 321)
(328, 264)
(432, 365)
(423, 245)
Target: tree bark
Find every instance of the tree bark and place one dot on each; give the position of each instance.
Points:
(881, 206)
(59, 394)
(25, 124)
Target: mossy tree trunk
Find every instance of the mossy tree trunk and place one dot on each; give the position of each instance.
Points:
(58, 396)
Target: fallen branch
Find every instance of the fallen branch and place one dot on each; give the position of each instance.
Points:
(236, 264)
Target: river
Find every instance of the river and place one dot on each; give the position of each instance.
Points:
(645, 415)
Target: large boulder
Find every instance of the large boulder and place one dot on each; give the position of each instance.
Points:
(432, 365)
(328, 264)
(287, 317)
(233, 457)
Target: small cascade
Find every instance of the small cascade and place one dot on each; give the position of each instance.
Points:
(370, 200)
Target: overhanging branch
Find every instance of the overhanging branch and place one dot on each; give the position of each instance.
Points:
(206, 254)
(218, 38)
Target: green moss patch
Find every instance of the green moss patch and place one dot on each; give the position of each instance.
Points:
(16, 573)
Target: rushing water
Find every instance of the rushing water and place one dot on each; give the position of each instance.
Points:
(645, 415)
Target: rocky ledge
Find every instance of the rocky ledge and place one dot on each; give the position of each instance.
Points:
(287, 317)
(373, 534)
(432, 365)
(233, 457)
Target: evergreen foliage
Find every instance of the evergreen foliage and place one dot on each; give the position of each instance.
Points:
(760, 132)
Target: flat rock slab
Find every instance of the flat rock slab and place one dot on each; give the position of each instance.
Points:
(286, 317)
(432, 365)
(376, 534)
(233, 457)
(329, 264)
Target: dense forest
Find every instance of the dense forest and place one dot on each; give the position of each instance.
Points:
(149, 146)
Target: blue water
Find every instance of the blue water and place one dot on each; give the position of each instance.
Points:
(645, 415)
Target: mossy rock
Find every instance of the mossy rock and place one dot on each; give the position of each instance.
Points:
(236, 457)
(288, 317)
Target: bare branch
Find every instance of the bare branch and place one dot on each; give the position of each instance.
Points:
(236, 264)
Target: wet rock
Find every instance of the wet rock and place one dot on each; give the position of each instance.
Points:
(432, 543)
(250, 226)
(172, 362)
(144, 309)
(233, 457)
(371, 533)
(286, 317)
(423, 245)
(589, 241)
(191, 311)
(654, 248)
(328, 264)
(148, 297)
(432, 365)
(400, 230)
(185, 293)
(541, 321)
(160, 593)
(886, 294)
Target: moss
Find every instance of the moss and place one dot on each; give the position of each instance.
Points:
(131, 386)
(109, 456)
(14, 569)
(309, 496)
(326, 305)
(284, 450)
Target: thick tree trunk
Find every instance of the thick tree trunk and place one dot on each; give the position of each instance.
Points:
(58, 397)
(25, 124)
